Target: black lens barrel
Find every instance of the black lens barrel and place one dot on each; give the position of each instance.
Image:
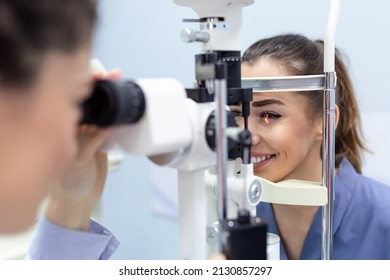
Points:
(114, 103)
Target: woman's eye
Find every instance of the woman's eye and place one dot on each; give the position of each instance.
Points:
(267, 117)
(236, 113)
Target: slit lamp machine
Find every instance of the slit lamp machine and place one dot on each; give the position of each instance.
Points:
(218, 191)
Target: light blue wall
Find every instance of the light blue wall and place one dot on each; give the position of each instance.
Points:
(142, 38)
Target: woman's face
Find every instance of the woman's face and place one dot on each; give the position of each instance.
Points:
(285, 142)
(38, 134)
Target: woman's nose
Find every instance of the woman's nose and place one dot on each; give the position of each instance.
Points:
(255, 139)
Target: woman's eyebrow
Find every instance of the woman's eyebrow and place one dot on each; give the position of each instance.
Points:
(266, 102)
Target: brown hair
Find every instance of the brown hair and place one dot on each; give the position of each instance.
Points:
(31, 29)
(302, 56)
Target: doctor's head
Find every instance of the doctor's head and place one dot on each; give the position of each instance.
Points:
(286, 127)
(44, 76)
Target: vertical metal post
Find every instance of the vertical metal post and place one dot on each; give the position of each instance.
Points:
(328, 166)
(221, 146)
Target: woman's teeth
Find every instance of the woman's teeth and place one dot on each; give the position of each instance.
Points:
(260, 159)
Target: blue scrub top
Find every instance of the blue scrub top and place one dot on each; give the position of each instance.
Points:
(361, 226)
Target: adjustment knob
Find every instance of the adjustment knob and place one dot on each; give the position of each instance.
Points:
(189, 35)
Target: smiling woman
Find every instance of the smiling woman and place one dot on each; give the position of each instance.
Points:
(287, 132)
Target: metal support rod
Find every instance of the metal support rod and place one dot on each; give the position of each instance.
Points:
(286, 83)
(328, 166)
(221, 147)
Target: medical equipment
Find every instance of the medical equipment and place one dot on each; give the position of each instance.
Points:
(114, 103)
(177, 138)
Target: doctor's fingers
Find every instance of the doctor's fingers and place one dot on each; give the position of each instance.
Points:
(91, 139)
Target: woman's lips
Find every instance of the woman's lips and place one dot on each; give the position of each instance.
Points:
(260, 160)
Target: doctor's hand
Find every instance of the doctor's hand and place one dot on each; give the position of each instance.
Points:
(72, 198)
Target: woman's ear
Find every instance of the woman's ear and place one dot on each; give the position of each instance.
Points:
(336, 116)
(320, 123)
(319, 128)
